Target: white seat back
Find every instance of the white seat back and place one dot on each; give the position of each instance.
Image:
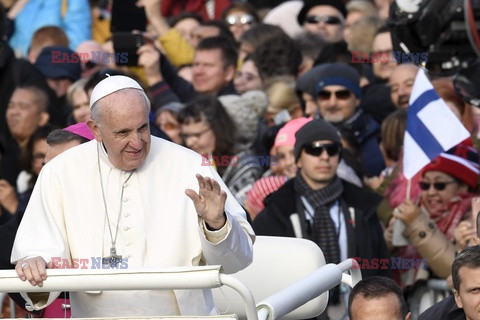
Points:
(277, 263)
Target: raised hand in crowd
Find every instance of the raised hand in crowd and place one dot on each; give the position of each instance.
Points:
(407, 212)
(149, 59)
(154, 15)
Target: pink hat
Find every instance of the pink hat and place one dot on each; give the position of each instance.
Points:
(81, 129)
(286, 135)
(260, 190)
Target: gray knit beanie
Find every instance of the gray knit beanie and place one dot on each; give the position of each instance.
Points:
(315, 130)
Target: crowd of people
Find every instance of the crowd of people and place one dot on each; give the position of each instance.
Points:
(292, 132)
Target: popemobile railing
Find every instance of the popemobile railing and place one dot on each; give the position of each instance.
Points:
(275, 306)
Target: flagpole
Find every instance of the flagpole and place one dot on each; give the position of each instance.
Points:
(409, 187)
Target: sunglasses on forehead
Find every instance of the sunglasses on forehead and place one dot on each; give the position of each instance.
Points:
(317, 149)
(340, 94)
(325, 19)
(439, 186)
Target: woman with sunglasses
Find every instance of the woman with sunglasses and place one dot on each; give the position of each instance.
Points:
(240, 16)
(446, 194)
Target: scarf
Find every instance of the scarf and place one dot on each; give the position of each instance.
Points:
(360, 125)
(448, 217)
(323, 232)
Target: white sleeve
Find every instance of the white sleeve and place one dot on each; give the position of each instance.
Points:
(235, 251)
(41, 232)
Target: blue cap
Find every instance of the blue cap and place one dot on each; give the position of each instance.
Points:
(59, 62)
(340, 74)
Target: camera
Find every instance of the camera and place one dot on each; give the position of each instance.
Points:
(446, 30)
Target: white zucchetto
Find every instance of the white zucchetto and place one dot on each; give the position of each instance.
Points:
(110, 85)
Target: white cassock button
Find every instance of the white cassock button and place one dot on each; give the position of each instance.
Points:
(126, 228)
(125, 199)
(128, 244)
(126, 215)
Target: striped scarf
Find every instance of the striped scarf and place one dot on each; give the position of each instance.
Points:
(324, 232)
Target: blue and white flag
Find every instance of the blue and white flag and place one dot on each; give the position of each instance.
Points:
(432, 127)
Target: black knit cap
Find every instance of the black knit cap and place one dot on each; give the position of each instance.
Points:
(308, 4)
(315, 130)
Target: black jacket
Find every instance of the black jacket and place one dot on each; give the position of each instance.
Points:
(365, 235)
(444, 310)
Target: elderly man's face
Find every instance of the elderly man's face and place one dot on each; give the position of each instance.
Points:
(468, 294)
(337, 103)
(401, 84)
(24, 115)
(326, 21)
(123, 128)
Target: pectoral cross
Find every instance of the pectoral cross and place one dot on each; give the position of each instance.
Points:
(113, 260)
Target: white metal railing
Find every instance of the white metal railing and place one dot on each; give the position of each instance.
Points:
(272, 307)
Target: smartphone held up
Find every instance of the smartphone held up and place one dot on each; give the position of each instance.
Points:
(126, 45)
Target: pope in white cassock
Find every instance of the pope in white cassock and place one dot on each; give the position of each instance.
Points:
(127, 195)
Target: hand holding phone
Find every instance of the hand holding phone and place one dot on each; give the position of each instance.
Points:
(126, 45)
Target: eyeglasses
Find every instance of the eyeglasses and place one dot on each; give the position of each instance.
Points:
(186, 136)
(340, 94)
(325, 19)
(244, 19)
(333, 149)
(439, 186)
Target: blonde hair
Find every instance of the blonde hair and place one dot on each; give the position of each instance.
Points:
(362, 34)
(282, 96)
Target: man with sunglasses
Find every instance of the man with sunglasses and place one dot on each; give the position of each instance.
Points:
(339, 216)
(338, 98)
(324, 17)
